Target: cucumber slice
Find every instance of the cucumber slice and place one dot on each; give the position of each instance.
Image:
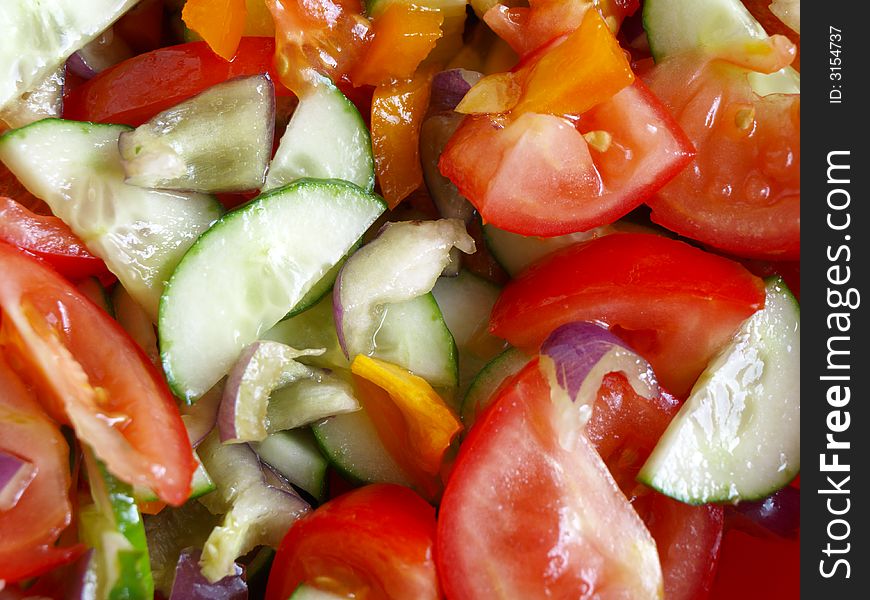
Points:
(737, 437)
(489, 379)
(413, 335)
(310, 400)
(43, 101)
(351, 444)
(249, 269)
(466, 302)
(218, 141)
(326, 138)
(306, 592)
(675, 26)
(114, 528)
(76, 169)
(515, 252)
(297, 457)
(39, 36)
(313, 328)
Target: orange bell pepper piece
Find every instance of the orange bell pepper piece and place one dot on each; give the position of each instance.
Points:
(412, 420)
(582, 71)
(219, 22)
(404, 35)
(397, 115)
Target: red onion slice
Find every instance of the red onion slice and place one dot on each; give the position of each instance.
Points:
(402, 263)
(201, 417)
(577, 356)
(15, 475)
(190, 584)
(263, 367)
(256, 512)
(779, 513)
(449, 87)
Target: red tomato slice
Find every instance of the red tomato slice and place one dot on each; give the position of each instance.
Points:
(92, 375)
(530, 510)
(10, 187)
(742, 193)
(50, 239)
(625, 427)
(135, 90)
(29, 530)
(528, 28)
(688, 539)
(538, 176)
(755, 568)
(675, 304)
(375, 542)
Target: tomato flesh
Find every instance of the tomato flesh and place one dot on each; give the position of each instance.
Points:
(90, 373)
(29, 529)
(135, 90)
(528, 515)
(675, 304)
(742, 192)
(375, 542)
(50, 239)
(537, 175)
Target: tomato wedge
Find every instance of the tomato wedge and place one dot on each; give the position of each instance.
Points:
(91, 374)
(29, 530)
(375, 542)
(50, 239)
(135, 90)
(688, 539)
(675, 304)
(530, 510)
(538, 175)
(624, 427)
(527, 28)
(742, 193)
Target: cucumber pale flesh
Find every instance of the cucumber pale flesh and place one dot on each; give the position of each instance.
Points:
(247, 271)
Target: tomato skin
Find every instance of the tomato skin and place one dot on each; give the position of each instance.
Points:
(50, 239)
(528, 28)
(689, 540)
(511, 522)
(376, 540)
(538, 176)
(29, 530)
(135, 90)
(742, 193)
(757, 568)
(675, 304)
(89, 372)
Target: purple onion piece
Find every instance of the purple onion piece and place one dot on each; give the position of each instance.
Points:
(435, 132)
(76, 64)
(15, 475)
(403, 262)
(200, 418)
(190, 584)
(779, 514)
(261, 368)
(449, 87)
(580, 355)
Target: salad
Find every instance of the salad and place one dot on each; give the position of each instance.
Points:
(324, 299)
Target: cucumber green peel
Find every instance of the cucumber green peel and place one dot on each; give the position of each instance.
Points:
(737, 437)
